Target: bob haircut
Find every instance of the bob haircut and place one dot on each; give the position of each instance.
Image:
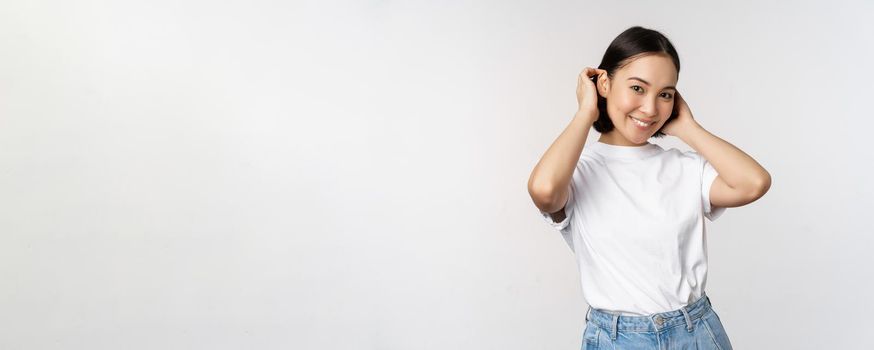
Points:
(634, 42)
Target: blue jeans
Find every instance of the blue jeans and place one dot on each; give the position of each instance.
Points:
(695, 326)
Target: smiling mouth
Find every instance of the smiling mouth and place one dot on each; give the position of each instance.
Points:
(641, 123)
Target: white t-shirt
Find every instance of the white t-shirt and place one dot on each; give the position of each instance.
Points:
(635, 221)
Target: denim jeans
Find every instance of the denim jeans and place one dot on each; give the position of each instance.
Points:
(695, 326)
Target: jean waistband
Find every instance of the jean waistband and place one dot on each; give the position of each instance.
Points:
(655, 322)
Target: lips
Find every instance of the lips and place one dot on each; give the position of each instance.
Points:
(641, 123)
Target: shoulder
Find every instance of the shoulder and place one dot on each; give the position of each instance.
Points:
(590, 159)
(691, 157)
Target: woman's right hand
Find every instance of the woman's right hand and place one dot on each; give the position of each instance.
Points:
(587, 94)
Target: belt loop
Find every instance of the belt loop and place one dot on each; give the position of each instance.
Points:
(588, 312)
(615, 326)
(688, 319)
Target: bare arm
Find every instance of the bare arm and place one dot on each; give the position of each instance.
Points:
(548, 184)
(549, 181)
(741, 179)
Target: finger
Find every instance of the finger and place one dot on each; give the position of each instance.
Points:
(588, 71)
(594, 71)
(587, 75)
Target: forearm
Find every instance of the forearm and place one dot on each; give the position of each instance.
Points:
(736, 168)
(554, 171)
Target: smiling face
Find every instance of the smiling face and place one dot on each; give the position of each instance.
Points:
(640, 98)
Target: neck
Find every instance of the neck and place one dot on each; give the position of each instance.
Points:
(616, 139)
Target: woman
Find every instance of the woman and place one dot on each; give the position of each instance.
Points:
(632, 212)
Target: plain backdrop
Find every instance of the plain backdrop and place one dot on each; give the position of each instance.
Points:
(191, 174)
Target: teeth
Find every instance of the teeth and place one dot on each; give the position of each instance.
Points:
(640, 122)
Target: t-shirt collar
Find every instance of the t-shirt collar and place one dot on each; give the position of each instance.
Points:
(634, 152)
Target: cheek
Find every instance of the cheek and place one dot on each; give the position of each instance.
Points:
(667, 108)
(623, 103)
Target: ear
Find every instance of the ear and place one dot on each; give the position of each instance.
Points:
(603, 85)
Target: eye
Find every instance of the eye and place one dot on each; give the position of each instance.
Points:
(668, 95)
(637, 88)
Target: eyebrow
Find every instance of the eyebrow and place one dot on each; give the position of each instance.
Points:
(647, 83)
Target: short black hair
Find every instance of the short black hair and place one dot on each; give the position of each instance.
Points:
(630, 44)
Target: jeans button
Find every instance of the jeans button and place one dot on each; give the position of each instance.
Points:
(659, 321)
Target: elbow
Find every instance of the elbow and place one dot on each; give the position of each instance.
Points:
(537, 188)
(543, 196)
(761, 186)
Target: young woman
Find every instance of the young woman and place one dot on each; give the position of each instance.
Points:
(632, 212)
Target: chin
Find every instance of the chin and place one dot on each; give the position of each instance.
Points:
(633, 139)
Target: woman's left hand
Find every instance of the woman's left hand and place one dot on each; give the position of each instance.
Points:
(684, 120)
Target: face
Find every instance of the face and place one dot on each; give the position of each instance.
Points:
(640, 98)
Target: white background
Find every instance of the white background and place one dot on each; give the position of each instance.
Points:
(191, 174)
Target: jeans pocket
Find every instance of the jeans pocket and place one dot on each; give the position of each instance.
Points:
(716, 330)
(590, 337)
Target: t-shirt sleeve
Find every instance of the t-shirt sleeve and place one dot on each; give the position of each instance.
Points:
(564, 225)
(709, 175)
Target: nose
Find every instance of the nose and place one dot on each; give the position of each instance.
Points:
(648, 108)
